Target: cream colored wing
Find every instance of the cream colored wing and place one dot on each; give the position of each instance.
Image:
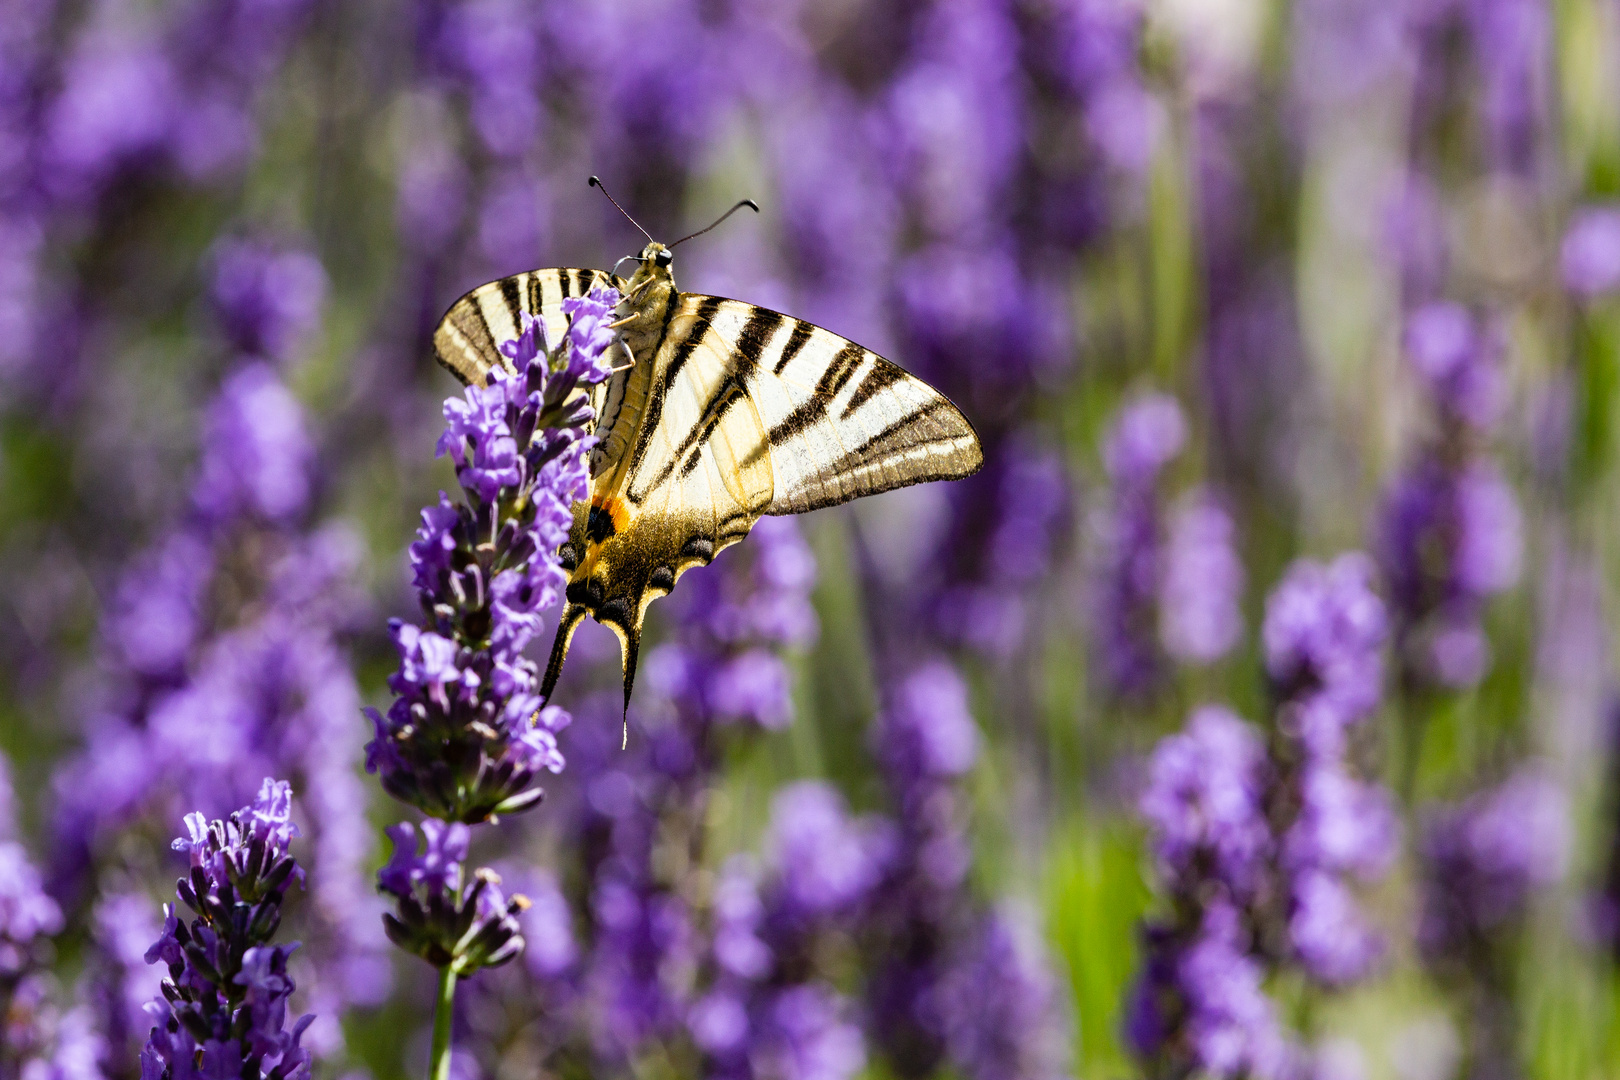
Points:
(468, 338)
(840, 420)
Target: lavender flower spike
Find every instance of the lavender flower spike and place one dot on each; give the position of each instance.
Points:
(224, 1006)
(441, 919)
(466, 736)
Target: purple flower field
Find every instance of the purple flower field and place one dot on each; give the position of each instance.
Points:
(1252, 714)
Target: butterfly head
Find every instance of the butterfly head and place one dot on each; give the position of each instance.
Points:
(649, 292)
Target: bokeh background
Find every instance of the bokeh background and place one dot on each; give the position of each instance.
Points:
(1222, 284)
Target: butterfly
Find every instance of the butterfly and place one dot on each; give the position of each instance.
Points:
(719, 411)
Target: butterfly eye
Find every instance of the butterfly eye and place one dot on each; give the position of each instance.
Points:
(664, 257)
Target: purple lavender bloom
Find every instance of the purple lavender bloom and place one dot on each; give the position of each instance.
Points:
(550, 950)
(805, 1031)
(446, 924)
(1513, 42)
(225, 997)
(1323, 634)
(156, 611)
(267, 300)
(925, 740)
(826, 863)
(767, 1012)
(928, 734)
(1457, 362)
(1328, 930)
(1201, 594)
(1590, 256)
(1322, 638)
(989, 612)
(1450, 534)
(467, 734)
(1005, 1008)
(1482, 860)
(1204, 802)
(27, 914)
(1231, 1025)
(1126, 577)
(124, 927)
(1199, 1003)
(725, 669)
(256, 450)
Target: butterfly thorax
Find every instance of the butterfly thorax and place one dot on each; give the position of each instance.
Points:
(644, 314)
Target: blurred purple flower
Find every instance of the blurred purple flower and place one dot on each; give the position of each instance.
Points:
(1322, 639)
(1128, 561)
(724, 668)
(27, 914)
(257, 454)
(1203, 800)
(1450, 534)
(1199, 1003)
(1513, 42)
(1323, 635)
(1201, 594)
(1005, 1009)
(927, 734)
(1457, 362)
(267, 300)
(1482, 859)
(1590, 257)
(825, 863)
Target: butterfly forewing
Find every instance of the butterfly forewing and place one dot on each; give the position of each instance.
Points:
(469, 336)
(841, 421)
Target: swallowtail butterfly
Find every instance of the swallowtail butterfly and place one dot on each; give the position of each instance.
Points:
(721, 411)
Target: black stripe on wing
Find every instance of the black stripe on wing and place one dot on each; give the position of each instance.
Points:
(465, 342)
(752, 341)
(655, 400)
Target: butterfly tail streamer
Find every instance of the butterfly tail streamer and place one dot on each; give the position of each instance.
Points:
(632, 649)
(572, 616)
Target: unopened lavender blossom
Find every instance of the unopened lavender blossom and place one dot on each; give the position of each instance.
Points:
(467, 734)
(1450, 530)
(223, 1009)
(448, 921)
(1128, 560)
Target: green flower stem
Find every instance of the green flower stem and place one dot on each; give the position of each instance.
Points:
(443, 1009)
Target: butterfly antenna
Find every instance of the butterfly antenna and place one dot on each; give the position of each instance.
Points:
(750, 203)
(596, 182)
